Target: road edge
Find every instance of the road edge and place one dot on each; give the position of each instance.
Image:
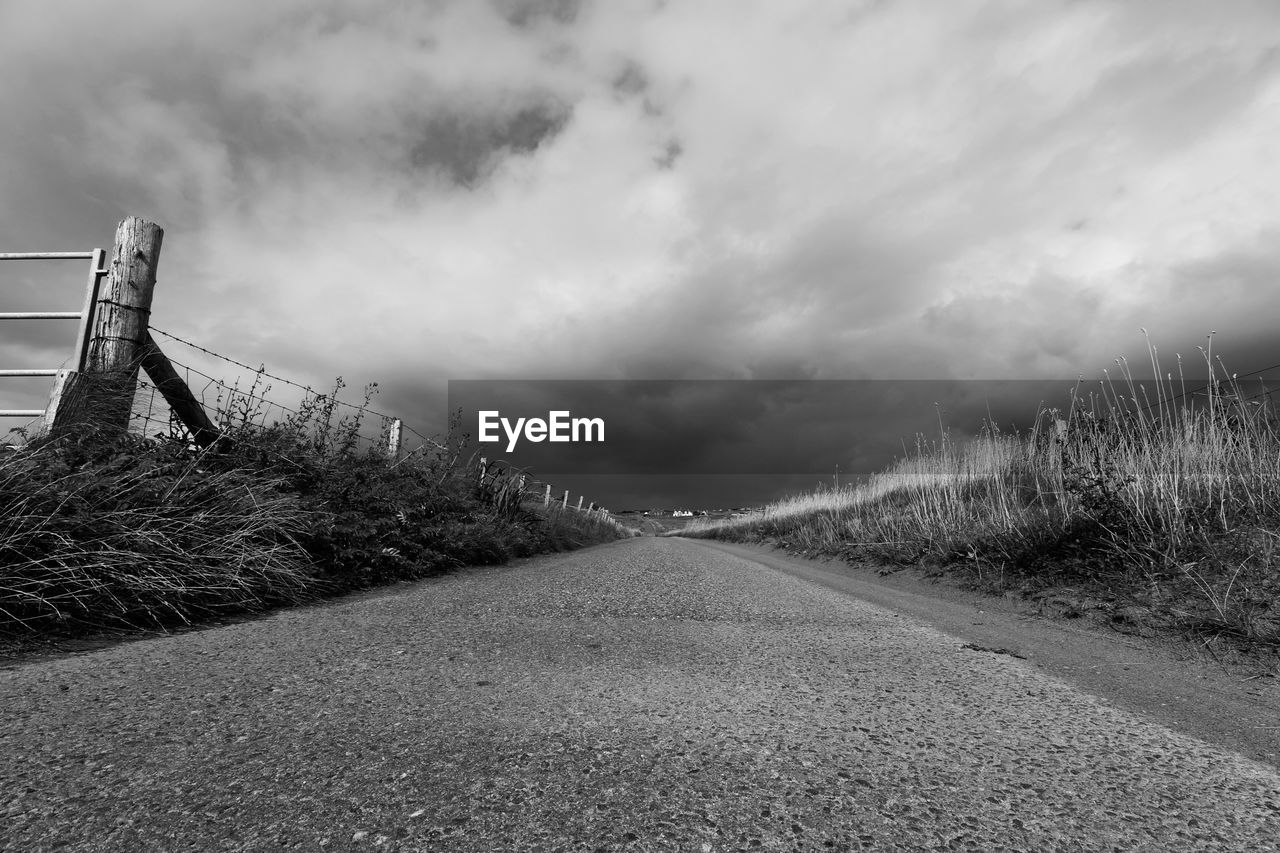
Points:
(1196, 697)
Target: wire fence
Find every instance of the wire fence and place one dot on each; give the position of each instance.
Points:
(190, 393)
(237, 395)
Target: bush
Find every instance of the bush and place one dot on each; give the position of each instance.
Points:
(127, 532)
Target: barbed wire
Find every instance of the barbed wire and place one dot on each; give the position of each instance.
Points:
(234, 389)
(262, 371)
(232, 405)
(149, 407)
(148, 399)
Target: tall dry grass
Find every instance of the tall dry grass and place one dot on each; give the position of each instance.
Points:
(125, 532)
(1170, 494)
(110, 537)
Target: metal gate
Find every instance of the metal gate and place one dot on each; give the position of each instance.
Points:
(96, 259)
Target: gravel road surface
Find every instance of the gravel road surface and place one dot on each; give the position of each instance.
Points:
(653, 694)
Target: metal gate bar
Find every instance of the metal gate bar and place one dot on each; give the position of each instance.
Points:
(97, 257)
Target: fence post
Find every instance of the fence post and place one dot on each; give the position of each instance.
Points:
(176, 393)
(101, 396)
(565, 505)
(393, 440)
(580, 503)
(546, 496)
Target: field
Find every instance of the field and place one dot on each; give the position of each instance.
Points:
(659, 522)
(1153, 513)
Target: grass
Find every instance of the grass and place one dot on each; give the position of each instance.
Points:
(1157, 506)
(124, 533)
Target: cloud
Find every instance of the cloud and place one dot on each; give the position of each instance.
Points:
(542, 188)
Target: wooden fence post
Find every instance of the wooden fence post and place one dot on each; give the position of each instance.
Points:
(176, 393)
(565, 505)
(546, 496)
(101, 397)
(580, 497)
(393, 440)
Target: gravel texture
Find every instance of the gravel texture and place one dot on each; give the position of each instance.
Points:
(649, 695)
(1174, 680)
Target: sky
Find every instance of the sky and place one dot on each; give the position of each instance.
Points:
(410, 193)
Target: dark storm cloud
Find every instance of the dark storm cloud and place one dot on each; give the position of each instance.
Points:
(670, 154)
(466, 147)
(1237, 274)
(413, 192)
(524, 13)
(737, 428)
(631, 80)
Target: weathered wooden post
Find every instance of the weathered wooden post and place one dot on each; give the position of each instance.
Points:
(176, 393)
(101, 396)
(546, 496)
(565, 505)
(580, 498)
(393, 440)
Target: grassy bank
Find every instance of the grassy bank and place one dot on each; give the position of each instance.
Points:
(1153, 509)
(127, 533)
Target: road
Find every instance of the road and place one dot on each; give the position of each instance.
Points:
(654, 694)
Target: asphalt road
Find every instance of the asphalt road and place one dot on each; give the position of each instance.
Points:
(654, 694)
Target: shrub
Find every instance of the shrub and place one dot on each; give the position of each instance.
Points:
(129, 532)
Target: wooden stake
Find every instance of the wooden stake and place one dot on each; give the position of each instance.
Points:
(123, 310)
(177, 394)
(393, 440)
